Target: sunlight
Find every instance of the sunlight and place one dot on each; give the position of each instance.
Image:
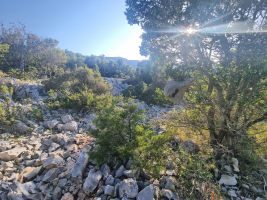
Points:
(190, 31)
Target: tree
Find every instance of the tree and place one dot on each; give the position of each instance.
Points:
(205, 40)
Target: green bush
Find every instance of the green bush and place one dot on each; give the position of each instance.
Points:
(77, 81)
(117, 129)
(149, 94)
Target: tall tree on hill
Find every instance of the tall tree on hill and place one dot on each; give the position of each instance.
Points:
(222, 44)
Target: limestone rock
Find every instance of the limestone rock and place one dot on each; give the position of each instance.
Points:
(109, 180)
(92, 180)
(235, 164)
(119, 171)
(67, 196)
(51, 175)
(51, 124)
(52, 162)
(147, 193)
(80, 165)
(12, 153)
(128, 188)
(66, 118)
(105, 170)
(169, 194)
(70, 126)
(21, 128)
(227, 180)
(29, 173)
(109, 190)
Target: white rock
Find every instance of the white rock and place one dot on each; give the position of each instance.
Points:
(12, 153)
(227, 180)
(70, 126)
(147, 193)
(80, 165)
(66, 118)
(235, 164)
(92, 180)
(119, 171)
(52, 162)
(110, 180)
(109, 190)
(128, 188)
(51, 124)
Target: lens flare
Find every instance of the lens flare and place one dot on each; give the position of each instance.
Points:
(190, 31)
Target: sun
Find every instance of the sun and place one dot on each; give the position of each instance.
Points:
(190, 31)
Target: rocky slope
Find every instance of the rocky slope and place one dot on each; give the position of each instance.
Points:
(49, 159)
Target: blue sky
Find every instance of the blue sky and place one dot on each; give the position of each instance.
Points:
(84, 26)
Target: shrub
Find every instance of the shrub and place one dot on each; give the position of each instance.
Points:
(149, 94)
(81, 79)
(117, 129)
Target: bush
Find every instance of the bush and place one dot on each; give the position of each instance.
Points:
(117, 129)
(82, 90)
(77, 81)
(148, 94)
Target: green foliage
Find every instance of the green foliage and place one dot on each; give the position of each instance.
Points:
(37, 114)
(149, 94)
(148, 155)
(83, 89)
(117, 129)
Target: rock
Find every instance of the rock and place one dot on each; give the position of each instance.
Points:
(235, 164)
(109, 190)
(4, 145)
(147, 193)
(190, 146)
(51, 175)
(52, 162)
(80, 165)
(232, 193)
(92, 180)
(70, 126)
(51, 124)
(21, 128)
(228, 168)
(29, 173)
(169, 182)
(169, 194)
(66, 118)
(128, 188)
(109, 180)
(53, 147)
(14, 196)
(56, 193)
(105, 170)
(67, 196)
(119, 171)
(12, 153)
(227, 180)
(129, 173)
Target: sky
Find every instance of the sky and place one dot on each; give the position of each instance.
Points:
(90, 27)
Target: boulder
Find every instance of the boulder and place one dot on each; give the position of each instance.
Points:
(109, 180)
(51, 124)
(128, 188)
(70, 126)
(66, 118)
(54, 146)
(235, 164)
(168, 194)
(29, 173)
(109, 190)
(53, 162)
(21, 128)
(51, 175)
(12, 153)
(119, 171)
(105, 170)
(147, 193)
(227, 180)
(92, 180)
(80, 165)
(67, 196)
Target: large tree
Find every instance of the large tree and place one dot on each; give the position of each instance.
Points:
(222, 45)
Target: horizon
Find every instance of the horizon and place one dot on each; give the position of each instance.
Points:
(93, 28)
